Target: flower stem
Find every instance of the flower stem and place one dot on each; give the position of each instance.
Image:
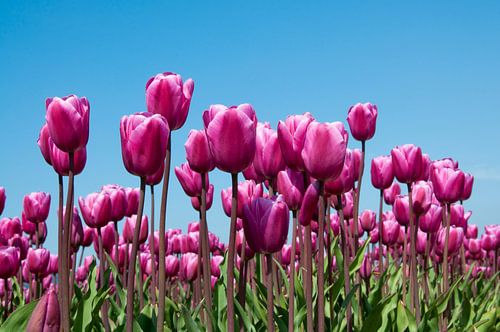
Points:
(152, 288)
(321, 259)
(205, 253)
(345, 253)
(230, 255)
(291, 288)
(270, 297)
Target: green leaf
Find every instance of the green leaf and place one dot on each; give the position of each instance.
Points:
(190, 325)
(18, 320)
(401, 320)
(358, 260)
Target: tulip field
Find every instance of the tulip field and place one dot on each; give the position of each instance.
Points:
(301, 254)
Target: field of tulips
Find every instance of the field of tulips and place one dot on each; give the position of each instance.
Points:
(301, 254)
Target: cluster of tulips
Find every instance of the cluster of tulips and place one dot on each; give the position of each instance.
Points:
(410, 266)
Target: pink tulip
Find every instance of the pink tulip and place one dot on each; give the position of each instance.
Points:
(44, 142)
(198, 152)
(374, 236)
(156, 177)
(129, 227)
(76, 229)
(250, 174)
(471, 232)
(431, 220)
(447, 183)
(345, 181)
(38, 260)
(96, 209)
(407, 162)
(190, 180)
(118, 199)
(10, 227)
(488, 242)
(132, 195)
(309, 204)
(20, 242)
(53, 264)
(144, 138)
(362, 119)
(68, 122)
(324, 149)
(474, 246)
(268, 160)
(426, 166)
(168, 95)
(368, 220)
(381, 171)
(249, 253)
(46, 316)
(391, 193)
(215, 263)
(60, 160)
(454, 242)
(366, 268)
(88, 236)
(195, 201)
(189, 266)
(291, 136)
(444, 163)
(356, 157)
(231, 134)
(457, 216)
(36, 206)
(421, 197)
(291, 186)
(421, 242)
(108, 238)
(467, 188)
(2, 199)
(390, 233)
(266, 224)
(171, 266)
(9, 262)
(401, 210)
(247, 192)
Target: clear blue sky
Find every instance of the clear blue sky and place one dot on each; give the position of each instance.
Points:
(432, 69)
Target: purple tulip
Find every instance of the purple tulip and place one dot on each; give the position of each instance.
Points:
(381, 171)
(362, 119)
(431, 220)
(291, 186)
(391, 193)
(36, 206)
(195, 201)
(407, 162)
(448, 184)
(60, 160)
(345, 181)
(129, 227)
(291, 136)
(132, 195)
(46, 316)
(38, 260)
(9, 262)
(368, 220)
(96, 209)
(268, 160)
(190, 180)
(421, 196)
(118, 199)
(401, 210)
(198, 152)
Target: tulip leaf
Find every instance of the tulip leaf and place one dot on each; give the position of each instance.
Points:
(18, 320)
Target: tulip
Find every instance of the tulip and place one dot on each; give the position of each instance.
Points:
(38, 260)
(231, 134)
(21, 243)
(195, 201)
(421, 197)
(309, 204)
(249, 173)
(291, 186)
(391, 232)
(457, 216)
(44, 143)
(108, 238)
(129, 227)
(368, 220)
(46, 316)
(291, 136)
(382, 173)
(467, 188)
(400, 209)
(488, 242)
(189, 266)
(426, 166)
(247, 192)
(345, 181)
(448, 184)
(96, 209)
(9, 262)
(118, 199)
(168, 95)
(198, 152)
(172, 266)
(455, 240)
(144, 138)
(88, 236)
(431, 220)
(155, 178)
(132, 196)
(190, 180)
(407, 162)
(268, 160)
(391, 193)
(471, 231)
(36, 206)
(60, 160)
(215, 263)
(10, 227)
(68, 122)
(324, 150)
(249, 253)
(362, 120)
(421, 242)
(366, 268)
(76, 230)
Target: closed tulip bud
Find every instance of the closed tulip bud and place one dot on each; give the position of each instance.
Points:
(171, 266)
(286, 255)
(38, 260)
(43, 143)
(144, 138)
(421, 242)
(421, 197)
(118, 199)
(471, 232)
(42, 233)
(390, 233)
(407, 163)
(291, 186)
(247, 192)
(345, 181)
(88, 236)
(68, 122)
(132, 195)
(362, 119)
(81, 274)
(291, 136)
(193, 227)
(309, 204)
(53, 264)
(467, 188)
(266, 224)
(9, 262)
(348, 204)
(391, 193)
(401, 210)
(156, 177)
(10, 227)
(45, 317)
(2, 199)
(444, 163)
(324, 149)
(36, 206)
(168, 95)
(366, 268)
(447, 183)
(96, 209)
(457, 216)
(454, 241)
(198, 152)
(488, 242)
(231, 134)
(190, 180)
(189, 266)
(268, 160)
(108, 238)
(60, 160)
(381, 172)
(129, 227)
(474, 246)
(431, 220)
(196, 203)
(335, 224)
(368, 220)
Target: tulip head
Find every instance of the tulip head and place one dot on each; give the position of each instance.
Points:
(421, 197)
(198, 152)
(46, 315)
(291, 136)
(2, 199)
(362, 119)
(448, 183)
(291, 186)
(368, 220)
(9, 262)
(38, 260)
(36, 206)
(268, 160)
(391, 193)
(96, 209)
(407, 162)
(190, 180)
(381, 171)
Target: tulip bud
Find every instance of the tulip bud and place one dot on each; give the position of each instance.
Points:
(171, 266)
(198, 152)
(309, 204)
(38, 260)
(196, 203)
(345, 181)
(36, 206)
(2, 199)
(454, 241)
(471, 232)
(367, 220)
(391, 193)
(291, 186)
(43, 143)
(447, 183)
(129, 227)
(96, 209)
(132, 196)
(401, 210)
(189, 266)
(421, 197)
(215, 263)
(366, 268)
(118, 199)
(431, 220)
(467, 188)
(268, 160)
(362, 119)
(88, 236)
(45, 316)
(190, 180)
(381, 172)
(291, 136)
(390, 233)
(9, 262)
(249, 253)
(10, 227)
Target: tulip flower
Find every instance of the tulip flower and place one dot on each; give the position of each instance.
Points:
(44, 142)
(362, 120)
(88, 236)
(345, 181)
(2, 199)
(421, 197)
(268, 160)
(249, 173)
(291, 186)
(382, 173)
(96, 209)
(132, 196)
(426, 166)
(291, 136)
(467, 188)
(60, 160)
(195, 201)
(456, 236)
(10, 227)
(391, 232)
(172, 266)
(168, 95)
(46, 315)
(367, 220)
(366, 268)
(36, 206)
(118, 200)
(448, 184)
(391, 193)
(9, 262)
(400, 209)
(20, 242)
(190, 180)
(68, 122)
(129, 227)
(189, 266)
(407, 162)
(431, 220)
(38, 260)
(471, 231)
(247, 192)
(198, 152)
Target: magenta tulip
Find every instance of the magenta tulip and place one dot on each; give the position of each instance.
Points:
(362, 119)
(291, 136)
(95, 209)
(129, 226)
(345, 181)
(368, 220)
(156, 177)
(431, 220)
(132, 195)
(36, 206)
(324, 149)
(401, 210)
(198, 152)
(38, 260)
(195, 201)
(471, 232)
(172, 266)
(88, 236)
(190, 180)
(144, 138)
(421, 197)
(2, 199)
(10, 227)
(118, 200)
(309, 204)
(454, 241)
(46, 316)
(266, 224)
(390, 233)
(44, 142)
(467, 188)
(68, 122)
(366, 268)
(60, 160)
(9, 262)
(189, 266)
(426, 166)
(247, 192)
(291, 186)
(391, 193)
(448, 184)
(268, 160)
(168, 95)
(231, 134)
(407, 162)
(381, 171)
(250, 174)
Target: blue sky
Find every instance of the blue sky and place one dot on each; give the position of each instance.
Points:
(432, 69)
